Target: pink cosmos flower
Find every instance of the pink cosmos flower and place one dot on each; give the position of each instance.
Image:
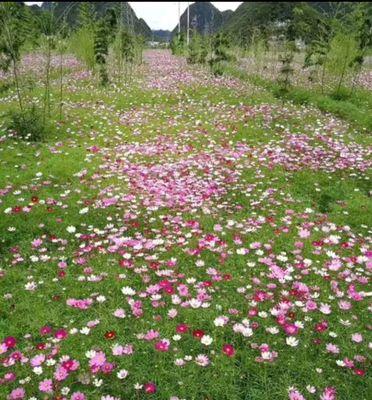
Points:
(162, 345)
(296, 395)
(46, 386)
(17, 394)
(37, 360)
(98, 360)
(78, 396)
(357, 337)
(60, 374)
(329, 394)
(332, 348)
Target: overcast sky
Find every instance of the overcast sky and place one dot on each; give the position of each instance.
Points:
(164, 15)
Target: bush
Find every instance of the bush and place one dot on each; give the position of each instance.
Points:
(342, 94)
(82, 45)
(28, 125)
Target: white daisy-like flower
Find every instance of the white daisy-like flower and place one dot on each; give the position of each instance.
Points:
(195, 303)
(128, 291)
(122, 374)
(206, 340)
(101, 299)
(97, 382)
(292, 341)
(37, 370)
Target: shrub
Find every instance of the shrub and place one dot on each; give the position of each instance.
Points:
(221, 55)
(82, 45)
(28, 124)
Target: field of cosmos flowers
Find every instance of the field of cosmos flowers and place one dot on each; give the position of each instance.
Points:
(184, 237)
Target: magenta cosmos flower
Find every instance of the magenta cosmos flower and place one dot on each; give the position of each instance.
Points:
(150, 388)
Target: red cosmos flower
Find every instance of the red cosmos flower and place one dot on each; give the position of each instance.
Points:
(255, 325)
(169, 290)
(359, 372)
(198, 333)
(290, 329)
(126, 263)
(34, 199)
(110, 335)
(252, 312)
(17, 355)
(228, 349)
(17, 209)
(154, 265)
(207, 283)
(182, 328)
(150, 388)
(291, 315)
(67, 365)
(321, 326)
(40, 346)
(61, 274)
(10, 342)
(227, 277)
(61, 334)
(45, 330)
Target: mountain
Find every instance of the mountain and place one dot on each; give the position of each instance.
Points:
(226, 15)
(71, 10)
(205, 18)
(261, 15)
(161, 35)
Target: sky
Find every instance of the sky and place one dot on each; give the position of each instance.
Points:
(163, 14)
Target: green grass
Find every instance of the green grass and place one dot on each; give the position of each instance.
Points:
(352, 107)
(209, 118)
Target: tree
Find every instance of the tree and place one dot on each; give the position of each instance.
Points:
(13, 33)
(87, 15)
(178, 44)
(101, 49)
(220, 54)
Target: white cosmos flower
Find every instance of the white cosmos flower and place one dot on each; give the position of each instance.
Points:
(247, 332)
(220, 321)
(291, 341)
(195, 303)
(310, 389)
(207, 340)
(123, 373)
(71, 229)
(90, 353)
(37, 370)
(84, 210)
(31, 286)
(128, 291)
(97, 382)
